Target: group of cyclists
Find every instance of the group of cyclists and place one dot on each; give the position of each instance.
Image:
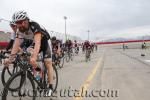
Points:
(29, 36)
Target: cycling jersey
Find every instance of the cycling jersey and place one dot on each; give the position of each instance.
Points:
(29, 35)
(26, 43)
(33, 29)
(87, 45)
(68, 44)
(55, 45)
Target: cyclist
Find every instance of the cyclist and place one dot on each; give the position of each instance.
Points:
(68, 45)
(82, 47)
(87, 46)
(76, 47)
(55, 48)
(12, 37)
(41, 43)
(95, 46)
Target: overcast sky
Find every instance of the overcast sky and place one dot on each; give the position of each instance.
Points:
(104, 18)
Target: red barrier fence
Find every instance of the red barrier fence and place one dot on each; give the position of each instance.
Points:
(3, 44)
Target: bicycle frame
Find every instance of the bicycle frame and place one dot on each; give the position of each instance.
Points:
(28, 70)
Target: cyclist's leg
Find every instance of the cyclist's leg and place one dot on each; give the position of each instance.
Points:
(48, 64)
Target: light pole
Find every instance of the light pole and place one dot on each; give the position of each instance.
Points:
(88, 34)
(65, 18)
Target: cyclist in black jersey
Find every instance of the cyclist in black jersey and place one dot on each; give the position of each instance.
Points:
(55, 48)
(68, 45)
(40, 42)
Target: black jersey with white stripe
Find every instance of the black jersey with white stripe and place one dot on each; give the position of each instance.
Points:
(35, 28)
(32, 30)
(29, 35)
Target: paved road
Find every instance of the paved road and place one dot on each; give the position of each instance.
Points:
(112, 74)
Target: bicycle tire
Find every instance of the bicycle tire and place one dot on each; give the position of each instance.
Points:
(3, 78)
(7, 88)
(61, 64)
(7, 69)
(56, 74)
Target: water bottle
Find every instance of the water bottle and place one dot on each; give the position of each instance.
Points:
(39, 69)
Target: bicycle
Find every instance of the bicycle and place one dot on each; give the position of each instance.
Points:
(26, 74)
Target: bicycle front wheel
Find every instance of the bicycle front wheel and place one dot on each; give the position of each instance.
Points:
(7, 72)
(19, 87)
(55, 78)
(61, 62)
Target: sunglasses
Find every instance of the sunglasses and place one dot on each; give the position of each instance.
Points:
(13, 25)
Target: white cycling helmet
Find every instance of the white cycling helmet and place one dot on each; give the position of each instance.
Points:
(20, 15)
(12, 23)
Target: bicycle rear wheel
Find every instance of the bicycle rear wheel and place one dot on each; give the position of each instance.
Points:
(55, 79)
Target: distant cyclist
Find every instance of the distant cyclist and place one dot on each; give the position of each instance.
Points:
(82, 45)
(95, 46)
(87, 45)
(55, 48)
(87, 48)
(92, 47)
(69, 45)
(76, 47)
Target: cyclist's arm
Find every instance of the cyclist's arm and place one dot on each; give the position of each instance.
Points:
(37, 39)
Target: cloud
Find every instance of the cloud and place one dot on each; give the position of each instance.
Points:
(102, 17)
